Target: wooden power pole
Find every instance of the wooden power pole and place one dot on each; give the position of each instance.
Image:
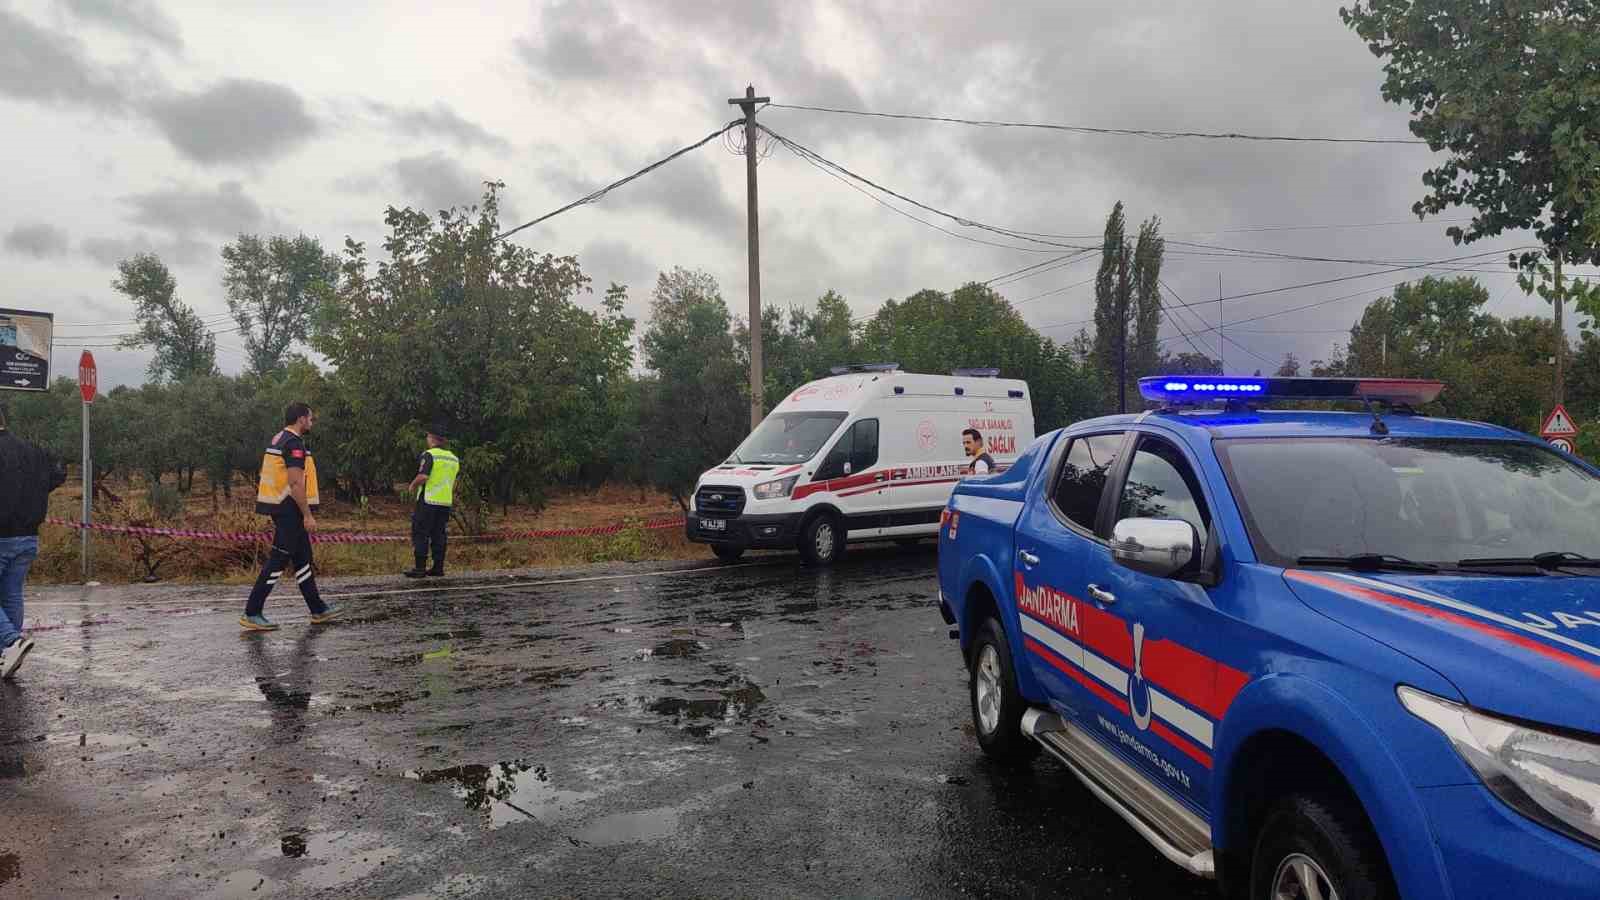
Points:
(1561, 337)
(748, 104)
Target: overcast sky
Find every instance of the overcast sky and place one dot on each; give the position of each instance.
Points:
(172, 127)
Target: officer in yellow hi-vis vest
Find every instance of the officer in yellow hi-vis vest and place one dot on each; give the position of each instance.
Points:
(434, 486)
(288, 493)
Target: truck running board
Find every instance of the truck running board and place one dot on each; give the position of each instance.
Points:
(1169, 826)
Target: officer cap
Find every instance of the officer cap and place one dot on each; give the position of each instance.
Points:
(438, 430)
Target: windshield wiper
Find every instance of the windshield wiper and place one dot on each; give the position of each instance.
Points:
(1369, 562)
(1555, 560)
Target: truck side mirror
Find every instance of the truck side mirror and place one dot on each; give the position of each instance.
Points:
(1159, 547)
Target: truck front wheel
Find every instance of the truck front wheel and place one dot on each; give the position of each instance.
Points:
(1311, 846)
(822, 540)
(997, 706)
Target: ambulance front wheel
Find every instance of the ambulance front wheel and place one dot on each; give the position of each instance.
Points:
(727, 552)
(822, 540)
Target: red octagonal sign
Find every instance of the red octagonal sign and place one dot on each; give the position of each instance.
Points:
(88, 379)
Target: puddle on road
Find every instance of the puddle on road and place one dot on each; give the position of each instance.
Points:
(336, 859)
(506, 792)
(634, 827)
(10, 867)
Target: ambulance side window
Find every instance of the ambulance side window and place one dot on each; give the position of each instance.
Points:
(864, 452)
(833, 465)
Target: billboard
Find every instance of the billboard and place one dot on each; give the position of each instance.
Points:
(25, 339)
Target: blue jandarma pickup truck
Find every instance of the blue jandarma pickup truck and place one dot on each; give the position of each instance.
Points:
(1310, 654)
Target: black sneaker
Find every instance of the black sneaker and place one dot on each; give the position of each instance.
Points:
(11, 658)
(435, 573)
(415, 573)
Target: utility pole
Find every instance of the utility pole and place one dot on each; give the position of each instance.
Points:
(748, 104)
(1561, 336)
(1122, 327)
(1222, 336)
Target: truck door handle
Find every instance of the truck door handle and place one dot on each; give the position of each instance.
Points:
(1028, 559)
(1101, 596)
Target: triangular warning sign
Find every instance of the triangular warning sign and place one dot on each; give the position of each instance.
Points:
(1558, 424)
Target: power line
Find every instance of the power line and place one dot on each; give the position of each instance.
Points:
(898, 211)
(596, 195)
(1085, 129)
(803, 151)
(211, 319)
(1066, 259)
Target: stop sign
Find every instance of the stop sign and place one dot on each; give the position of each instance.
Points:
(88, 380)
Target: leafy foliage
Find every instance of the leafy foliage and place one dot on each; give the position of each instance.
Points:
(1511, 91)
(183, 345)
(485, 336)
(272, 287)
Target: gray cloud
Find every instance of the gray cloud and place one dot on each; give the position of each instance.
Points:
(40, 241)
(687, 191)
(183, 251)
(434, 181)
(234, 121)
(590, 41)
(46, 67)
(137, 18)
(437, 121)
(225, 211)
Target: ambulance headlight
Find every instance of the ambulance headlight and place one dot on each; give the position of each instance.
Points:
(775, 490)
(1551, 778)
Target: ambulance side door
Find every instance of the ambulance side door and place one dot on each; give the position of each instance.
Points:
(856, 482)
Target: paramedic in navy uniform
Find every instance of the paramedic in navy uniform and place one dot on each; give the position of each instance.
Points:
(288, 493)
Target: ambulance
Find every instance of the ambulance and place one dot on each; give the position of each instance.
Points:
(868, 454)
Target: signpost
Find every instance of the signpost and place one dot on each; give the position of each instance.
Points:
(88, 381)
(25, 339)
(1559, 429)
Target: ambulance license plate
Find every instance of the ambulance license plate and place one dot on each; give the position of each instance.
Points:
(713, 524)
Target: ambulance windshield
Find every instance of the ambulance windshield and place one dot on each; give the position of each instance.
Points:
(792, 437)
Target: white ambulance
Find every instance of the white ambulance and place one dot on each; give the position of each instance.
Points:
(871, 453)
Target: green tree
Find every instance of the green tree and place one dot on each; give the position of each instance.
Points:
(1423, 324)
(1112, 311)
(694, 403)
(485, 335)
(1290, 368)
(272, 287)
(183, 345)
(931, 331)
(1144, 275)
(1509, 91)
(800, 345)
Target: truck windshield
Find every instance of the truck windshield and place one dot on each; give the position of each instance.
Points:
(1438, 500)
(792, 437)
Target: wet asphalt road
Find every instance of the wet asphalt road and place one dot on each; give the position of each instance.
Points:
(761, 730)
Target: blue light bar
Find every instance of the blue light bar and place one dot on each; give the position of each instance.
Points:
(1189, 389)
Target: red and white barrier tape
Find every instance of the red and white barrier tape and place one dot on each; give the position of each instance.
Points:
(337, 537)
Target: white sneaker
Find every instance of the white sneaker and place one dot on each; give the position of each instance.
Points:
(11, 658)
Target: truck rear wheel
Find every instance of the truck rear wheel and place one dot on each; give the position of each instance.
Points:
(1311, 846)
(822, 540)
(997, 706)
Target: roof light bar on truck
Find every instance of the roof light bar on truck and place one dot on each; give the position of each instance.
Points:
(1194, 389)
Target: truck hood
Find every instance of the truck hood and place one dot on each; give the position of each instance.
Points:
(1526, 647)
